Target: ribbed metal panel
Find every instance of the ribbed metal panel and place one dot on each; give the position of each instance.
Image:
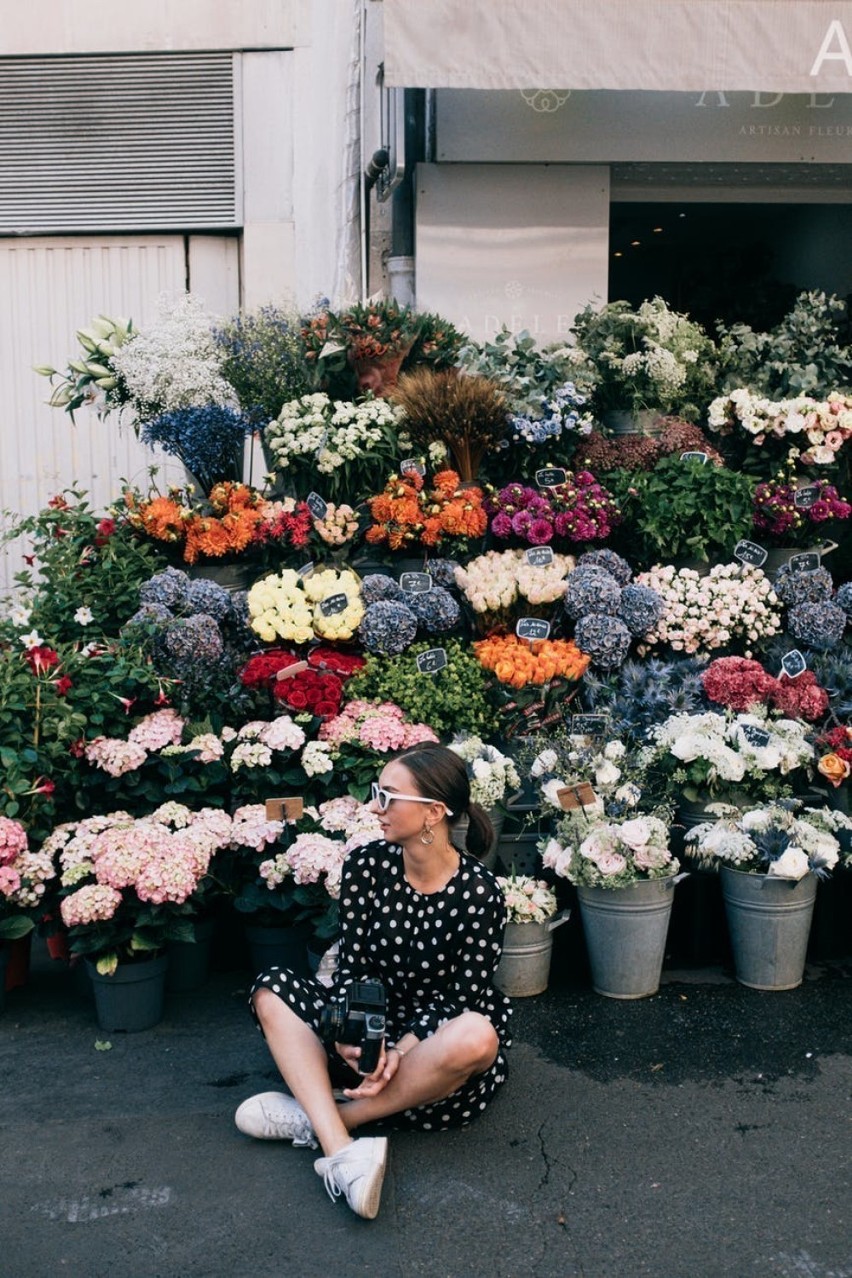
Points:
(117, 143)
(49, 288)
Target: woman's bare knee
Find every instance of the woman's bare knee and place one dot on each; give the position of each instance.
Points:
(471, 1043)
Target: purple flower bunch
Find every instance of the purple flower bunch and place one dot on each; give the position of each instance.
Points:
(579, 510)
(777, 515)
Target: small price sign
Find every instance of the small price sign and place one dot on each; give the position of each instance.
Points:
(532, 628)
(756, 737)
(550, 476)
(333, 604)
(576, 796)
(415, 583)
(793, 663)
(411, 466)
(539, 556)
(431, 661)
(748, 552)
(804, 498)
(317, 505)
(589, 725)
(808, 561)
(694, 457)
(306, 569)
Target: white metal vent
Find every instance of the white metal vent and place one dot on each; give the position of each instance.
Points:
(114, 143)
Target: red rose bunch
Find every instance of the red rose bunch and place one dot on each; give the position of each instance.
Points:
(314, 693)
(261, 669)
(342, 664)
(739, 684)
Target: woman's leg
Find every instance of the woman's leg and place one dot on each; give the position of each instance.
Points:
(302, 1060)
(434, 1069)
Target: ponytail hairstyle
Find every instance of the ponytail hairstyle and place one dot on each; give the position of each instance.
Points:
(439, 773)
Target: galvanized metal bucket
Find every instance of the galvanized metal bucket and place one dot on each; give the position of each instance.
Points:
(625, 930)
(524, 967)
(769, 921)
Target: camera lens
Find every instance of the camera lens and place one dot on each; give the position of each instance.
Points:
(331, 1023)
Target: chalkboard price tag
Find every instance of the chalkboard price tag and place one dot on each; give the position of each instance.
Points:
(532, 628)
(539, 556)
(411, 466)
(756, 737)
(748, 552)
(306, 569)
(431, 661)
(589, 725)
(804, 498)
(793, 664)
(415, 583)
(808, 561)
(317, 505)
(550, 476)
(333, 604)
(694, 456)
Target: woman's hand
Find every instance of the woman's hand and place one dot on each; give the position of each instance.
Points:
(371, 1084)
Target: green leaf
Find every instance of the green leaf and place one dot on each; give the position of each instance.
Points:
(102, 1045)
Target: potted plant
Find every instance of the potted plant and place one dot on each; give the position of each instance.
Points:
(577, 510)
(128, 887)
(531, 917)
(650, 358)
(26, 879)
(446, 689)
(788, 516)
(683, 510)
(761, 434)
(770, 858)
(413, 516)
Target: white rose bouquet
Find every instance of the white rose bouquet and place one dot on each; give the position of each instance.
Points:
(286, 606)
(777, 840)
(808, 430)
(326, 589)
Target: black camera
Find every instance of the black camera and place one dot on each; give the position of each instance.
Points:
(358, 1020)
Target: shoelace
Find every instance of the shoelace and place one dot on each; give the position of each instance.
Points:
(303, 1134)
(334, 1190)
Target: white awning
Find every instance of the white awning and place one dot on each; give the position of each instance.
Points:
(772, 46)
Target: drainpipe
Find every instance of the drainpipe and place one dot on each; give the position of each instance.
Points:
(401, 262)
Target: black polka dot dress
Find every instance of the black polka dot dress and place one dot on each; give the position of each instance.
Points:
(435, 954)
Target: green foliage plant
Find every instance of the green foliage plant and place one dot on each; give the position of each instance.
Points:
(454, 699)
(808, 353)
(683, 509)
(264, 360)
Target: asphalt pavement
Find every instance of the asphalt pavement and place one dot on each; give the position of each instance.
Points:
(700, 1133)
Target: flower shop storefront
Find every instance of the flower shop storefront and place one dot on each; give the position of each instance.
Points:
(612, 576)
(648, 119)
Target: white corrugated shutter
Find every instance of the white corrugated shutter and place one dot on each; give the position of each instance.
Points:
(118, 143)
(48, 289)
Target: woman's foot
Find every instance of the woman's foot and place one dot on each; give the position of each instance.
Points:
(275, 1116)
(357, 1172)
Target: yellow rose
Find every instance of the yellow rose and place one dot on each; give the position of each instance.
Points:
(833, 768)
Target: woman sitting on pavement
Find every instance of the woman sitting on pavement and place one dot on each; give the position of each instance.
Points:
(427, 921)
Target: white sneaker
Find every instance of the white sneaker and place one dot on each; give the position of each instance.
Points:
(357, 1171)
(275, 1116)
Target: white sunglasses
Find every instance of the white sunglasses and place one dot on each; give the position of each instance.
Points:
(384, 798)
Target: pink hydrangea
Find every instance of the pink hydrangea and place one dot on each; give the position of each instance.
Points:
(115, 756)
(96, 902)
(161, 728)
(312, 856)
(172, 874)
(13, 840)
(10, 880)
(251, 829)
